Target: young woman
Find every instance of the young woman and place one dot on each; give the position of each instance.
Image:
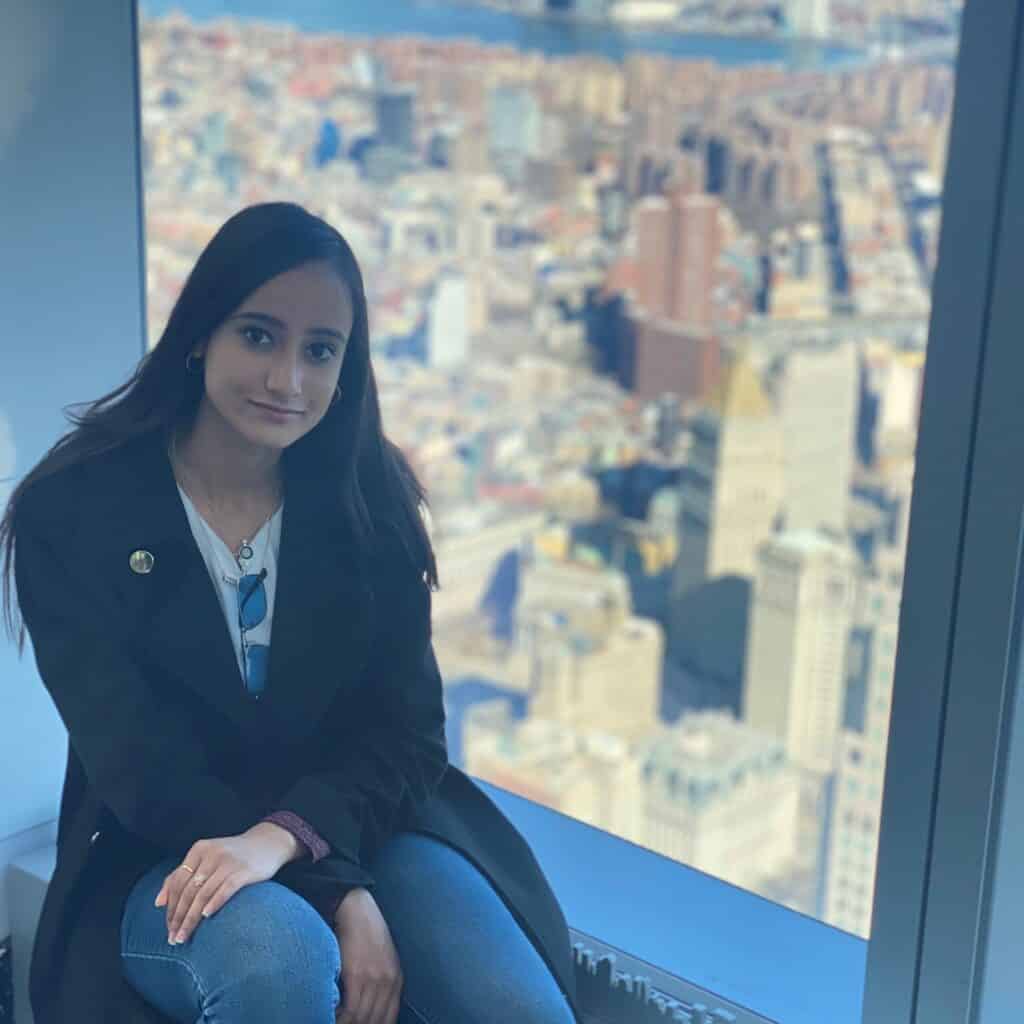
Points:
(226, 578)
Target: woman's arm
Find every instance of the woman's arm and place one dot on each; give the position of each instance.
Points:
(141, 755)
(308, 841)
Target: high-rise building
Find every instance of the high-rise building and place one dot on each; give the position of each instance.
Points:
(794, 684)
(672, 347)
(394, 106)
(475, 241)
(721, 797)
(800, 619)
(893, 379)
(819, 396)
(852, 843)
(696, 243)
(448, 338)
(732, 494)
(678, 242)
(669, 357)
(653, 226)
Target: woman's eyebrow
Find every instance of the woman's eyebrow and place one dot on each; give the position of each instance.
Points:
(266, 317)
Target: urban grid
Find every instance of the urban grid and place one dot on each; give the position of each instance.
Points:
(652, 332)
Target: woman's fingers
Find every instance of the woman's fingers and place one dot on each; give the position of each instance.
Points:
(185, 891)
(184, 895)
(371, 974)
(370, 1001)
(230, 884)
(173, 885)
(391, 1011)
(353, 1010)
(359, 1000)
(385, 1009)
(223, 882)
(245, 859)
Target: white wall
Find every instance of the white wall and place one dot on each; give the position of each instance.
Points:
(72, 327)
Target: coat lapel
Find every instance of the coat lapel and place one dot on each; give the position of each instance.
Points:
(322, 605)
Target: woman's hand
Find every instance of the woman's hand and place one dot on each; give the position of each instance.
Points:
(222, 867)
(370, 972)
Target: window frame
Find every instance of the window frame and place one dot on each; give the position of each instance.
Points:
(946, 749)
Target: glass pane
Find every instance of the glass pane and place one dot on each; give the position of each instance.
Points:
(649, 286)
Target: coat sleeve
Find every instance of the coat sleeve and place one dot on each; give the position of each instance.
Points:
(312, 845)
(397, 756)
(139, 753)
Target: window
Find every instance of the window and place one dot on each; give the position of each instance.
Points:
(686, 305)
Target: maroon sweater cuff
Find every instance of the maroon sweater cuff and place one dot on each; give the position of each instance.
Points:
(305, 833)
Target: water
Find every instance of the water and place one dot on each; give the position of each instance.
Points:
(551, 36)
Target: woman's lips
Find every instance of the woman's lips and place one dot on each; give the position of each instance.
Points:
(274, 412)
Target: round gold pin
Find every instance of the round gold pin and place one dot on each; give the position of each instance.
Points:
(141, 561)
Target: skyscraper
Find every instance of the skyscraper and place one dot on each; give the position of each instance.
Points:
(800, 620)
(819, 422)
(694, 258)
(732, 494)
(653, 221)
(671, 358)
(678, 243)
(719, 796)
(852, 844)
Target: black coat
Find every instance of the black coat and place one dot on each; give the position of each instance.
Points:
(166, 746)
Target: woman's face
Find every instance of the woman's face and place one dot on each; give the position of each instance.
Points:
(283, 347)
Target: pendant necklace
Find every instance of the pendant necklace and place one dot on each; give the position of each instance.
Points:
(244, 552)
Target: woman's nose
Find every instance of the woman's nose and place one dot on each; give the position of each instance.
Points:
(285, 376)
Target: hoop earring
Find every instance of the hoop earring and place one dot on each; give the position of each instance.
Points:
(337, 395)
(189, 365)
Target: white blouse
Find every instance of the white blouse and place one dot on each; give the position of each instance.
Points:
(225, 572)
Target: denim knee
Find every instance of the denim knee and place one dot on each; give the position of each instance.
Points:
(265, 955)
(267, 931)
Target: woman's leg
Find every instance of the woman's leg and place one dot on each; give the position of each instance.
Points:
(464, 957)
(265, 957)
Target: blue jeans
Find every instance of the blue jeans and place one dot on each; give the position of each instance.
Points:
(267, 956)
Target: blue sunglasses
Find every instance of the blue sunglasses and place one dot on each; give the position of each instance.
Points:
(252, 610)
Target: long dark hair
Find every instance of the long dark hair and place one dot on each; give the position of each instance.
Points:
(362, 473)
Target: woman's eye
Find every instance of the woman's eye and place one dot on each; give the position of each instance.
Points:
(259, 330)
(323, 351)
(327, 350)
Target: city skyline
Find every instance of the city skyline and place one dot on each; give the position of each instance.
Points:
(654, 343)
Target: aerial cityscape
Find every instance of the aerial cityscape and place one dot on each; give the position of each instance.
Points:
(652, 332)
